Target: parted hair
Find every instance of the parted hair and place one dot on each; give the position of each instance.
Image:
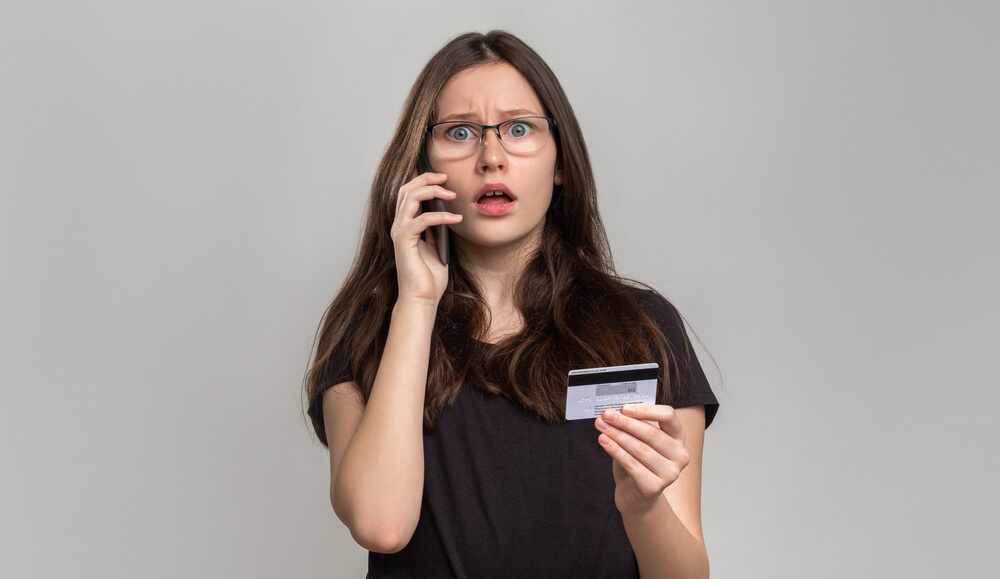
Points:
(578, 313)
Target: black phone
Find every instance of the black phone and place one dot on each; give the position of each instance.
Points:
(442, 235)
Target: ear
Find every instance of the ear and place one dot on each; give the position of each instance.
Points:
(557, 179)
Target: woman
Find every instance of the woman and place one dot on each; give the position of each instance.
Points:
(440, 389)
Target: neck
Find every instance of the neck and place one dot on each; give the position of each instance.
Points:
(497, 271)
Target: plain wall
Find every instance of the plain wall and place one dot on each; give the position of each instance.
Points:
(814, 185)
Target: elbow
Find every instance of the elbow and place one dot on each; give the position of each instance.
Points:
(376, 532)
(381, 539)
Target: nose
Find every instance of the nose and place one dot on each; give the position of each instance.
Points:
(492, 155)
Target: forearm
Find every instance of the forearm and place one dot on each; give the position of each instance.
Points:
(379, 483)
(663, 546)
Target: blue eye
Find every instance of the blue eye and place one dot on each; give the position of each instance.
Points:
(460, 133)
(519, 129)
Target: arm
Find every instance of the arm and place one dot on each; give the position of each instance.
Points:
(657, 454)
(376, 450)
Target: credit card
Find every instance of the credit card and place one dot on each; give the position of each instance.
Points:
(591, 391)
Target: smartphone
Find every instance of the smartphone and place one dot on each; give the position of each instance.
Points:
(442, 235)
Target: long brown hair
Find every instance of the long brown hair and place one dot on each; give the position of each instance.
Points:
(577, 312)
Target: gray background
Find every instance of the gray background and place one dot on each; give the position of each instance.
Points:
(814, 185)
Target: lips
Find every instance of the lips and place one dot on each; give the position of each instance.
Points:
(494, 199)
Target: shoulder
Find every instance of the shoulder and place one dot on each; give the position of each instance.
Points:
(688, 384)
(659, 309)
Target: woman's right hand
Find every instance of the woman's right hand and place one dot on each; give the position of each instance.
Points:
(376, 445)
(422, 277)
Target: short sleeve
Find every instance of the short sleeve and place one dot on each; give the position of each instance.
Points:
(336, 370)
(688, 384)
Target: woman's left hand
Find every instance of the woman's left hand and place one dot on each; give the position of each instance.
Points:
(647, 444)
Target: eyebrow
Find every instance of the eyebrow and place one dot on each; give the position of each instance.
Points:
(508, 114)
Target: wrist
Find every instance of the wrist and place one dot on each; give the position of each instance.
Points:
(643, 510)
(415, 308)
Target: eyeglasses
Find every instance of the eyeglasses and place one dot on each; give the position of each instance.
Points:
(521, 136)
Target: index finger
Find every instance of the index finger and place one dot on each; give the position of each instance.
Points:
(665, 416)
(417, 187)
(430, 177)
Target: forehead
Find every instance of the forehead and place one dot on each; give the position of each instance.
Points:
(488, 92)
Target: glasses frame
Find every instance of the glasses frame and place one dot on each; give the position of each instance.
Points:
(483, 128)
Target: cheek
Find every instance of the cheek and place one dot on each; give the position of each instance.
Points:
(555, 174)
(549, 177)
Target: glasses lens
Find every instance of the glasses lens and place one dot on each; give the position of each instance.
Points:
(525, 135)
(452, 140)
(461, 139)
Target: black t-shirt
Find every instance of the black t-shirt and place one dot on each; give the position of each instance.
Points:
(509, 494)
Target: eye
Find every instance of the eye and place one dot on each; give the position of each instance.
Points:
(519, 129)
(460, 133)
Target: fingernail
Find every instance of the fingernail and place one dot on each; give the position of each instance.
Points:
(610, 415)
(628, 409)
(601, 425)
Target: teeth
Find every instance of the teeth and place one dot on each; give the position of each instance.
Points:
(492, 193)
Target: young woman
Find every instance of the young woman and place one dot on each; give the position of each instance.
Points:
(440, 390)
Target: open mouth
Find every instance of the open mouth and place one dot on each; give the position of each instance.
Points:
(494, 198)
